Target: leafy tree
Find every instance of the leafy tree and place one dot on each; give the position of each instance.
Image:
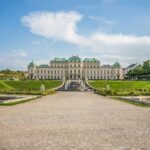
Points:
(138, 70)
(10, 74)
(143, 69)
(146, 67)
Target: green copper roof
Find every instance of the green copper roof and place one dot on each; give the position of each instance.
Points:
(90, 60)
(75, 59)
(116, 65)
(31, 64)
(43, 66)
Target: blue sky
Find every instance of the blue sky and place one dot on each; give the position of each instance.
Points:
(110, 30)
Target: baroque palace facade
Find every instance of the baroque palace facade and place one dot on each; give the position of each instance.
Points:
(75, 68)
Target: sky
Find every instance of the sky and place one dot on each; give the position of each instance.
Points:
(39, 30)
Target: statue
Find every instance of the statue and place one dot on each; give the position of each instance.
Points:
(42, 88)
(108, 87)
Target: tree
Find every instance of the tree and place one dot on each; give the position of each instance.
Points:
(136, 71)
(146, 67)
(10, 74)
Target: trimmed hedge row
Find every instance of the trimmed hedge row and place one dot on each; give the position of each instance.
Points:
(112, 92)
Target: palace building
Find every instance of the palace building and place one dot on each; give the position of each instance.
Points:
(75, 68)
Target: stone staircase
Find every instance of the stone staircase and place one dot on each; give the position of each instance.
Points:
(74, 85)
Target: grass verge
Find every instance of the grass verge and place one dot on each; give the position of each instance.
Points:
(140, 104)
(121, 88)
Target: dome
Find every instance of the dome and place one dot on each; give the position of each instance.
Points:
(75, 59)
(31, 64)
(117, 65)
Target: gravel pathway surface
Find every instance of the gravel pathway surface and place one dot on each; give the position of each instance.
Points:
(74, 121)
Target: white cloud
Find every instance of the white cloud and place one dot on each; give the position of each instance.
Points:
(59, 26)
(20, 53)
(119, 39)
(62, 26)
(17, 60)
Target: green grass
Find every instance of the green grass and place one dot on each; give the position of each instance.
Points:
(4, 86)
(120, 85)
(27, 86)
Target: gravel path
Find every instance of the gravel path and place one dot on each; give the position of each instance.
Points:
(74, 121)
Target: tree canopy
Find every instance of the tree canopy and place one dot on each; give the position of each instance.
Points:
(143, 69)
(9, 74)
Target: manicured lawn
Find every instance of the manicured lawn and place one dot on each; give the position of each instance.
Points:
(120, 85)
(28, 84)
(4, 86)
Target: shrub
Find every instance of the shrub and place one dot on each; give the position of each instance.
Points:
(105, 92)
(48, 92)
(111, 92)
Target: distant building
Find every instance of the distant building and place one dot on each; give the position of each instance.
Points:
(75, 68)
